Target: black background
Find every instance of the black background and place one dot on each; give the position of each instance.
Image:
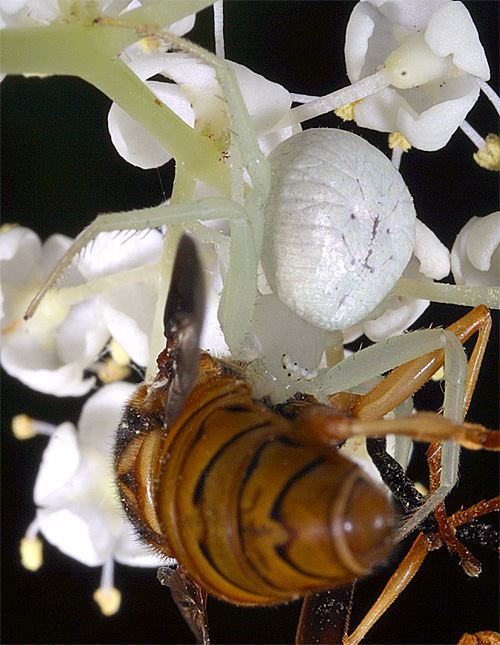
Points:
(59, 170)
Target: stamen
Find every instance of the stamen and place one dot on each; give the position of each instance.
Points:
(490, 93)
(109, 371)
(25, 427)
(107, 596)
(476, 138)
(364, 87)
(118, 354)
(31, 548)
(219, 29)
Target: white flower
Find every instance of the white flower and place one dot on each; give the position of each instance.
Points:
(194, 97)
(432, 53)
(475, 256)
(50, 352)
(78, 507)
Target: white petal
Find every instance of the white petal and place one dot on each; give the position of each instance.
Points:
(74, 536)
(59, 463)
(380, 111)
(433, 256)
(483, 240)
(452, 31)
(395, 320)
(40, 370)
(412, 15)
(358, 32)
(131, 139)
(20, 255)
(432, 129)
(102, 413)
(53, 249)
(82, 335)
(266, 102)
(475, 256)
(128, 313)
(183, 25)
(129, 550)
(120, 251)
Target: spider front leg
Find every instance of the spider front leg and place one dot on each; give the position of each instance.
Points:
(445, 347)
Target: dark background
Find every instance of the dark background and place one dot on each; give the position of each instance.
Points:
(59, 170)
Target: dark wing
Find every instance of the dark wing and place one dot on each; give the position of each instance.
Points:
(183, 324)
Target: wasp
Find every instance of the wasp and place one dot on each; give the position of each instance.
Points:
(255, 510)
(258, 507)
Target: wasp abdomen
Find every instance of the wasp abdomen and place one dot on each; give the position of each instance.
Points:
(255, 514)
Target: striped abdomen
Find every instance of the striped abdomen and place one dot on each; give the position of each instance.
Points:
(253, 510)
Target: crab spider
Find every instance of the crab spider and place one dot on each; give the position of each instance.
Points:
(377, 181)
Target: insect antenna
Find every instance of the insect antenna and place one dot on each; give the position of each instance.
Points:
(182, 325)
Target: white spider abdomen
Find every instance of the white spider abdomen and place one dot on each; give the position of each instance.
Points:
(340, 227)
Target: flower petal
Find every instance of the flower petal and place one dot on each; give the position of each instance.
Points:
(82, 335)
(433, 256)
(451, 30)
(101, 414)
(40, 369)
(74, 535)
(128, 313)
(475, 256)
(129, 550)
(20, 255)
(401, 313)
(433, 128)
(131, 139)
(59, 463)
(120, 251)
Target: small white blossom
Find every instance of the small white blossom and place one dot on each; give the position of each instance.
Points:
(432, 53)
(475, 256)
(79, 510)
(194, 97)
(50, 352)
(78, 507)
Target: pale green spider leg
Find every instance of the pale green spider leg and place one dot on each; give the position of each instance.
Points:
(384, 356)
(137, 220)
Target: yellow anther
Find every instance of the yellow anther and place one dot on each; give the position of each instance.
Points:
(109, 371)
(149, 44)
(109, 600)
(31, 550)
(489, 156)
(398, 140)
(421, 489)
(8, 226)
(118, 354)
(14, 325)
(346, 112)
(439, 375)
(23, 427)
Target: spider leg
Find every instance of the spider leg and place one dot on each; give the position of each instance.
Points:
(202, 210)
(406, 379)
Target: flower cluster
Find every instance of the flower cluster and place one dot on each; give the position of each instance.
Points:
(104, 315)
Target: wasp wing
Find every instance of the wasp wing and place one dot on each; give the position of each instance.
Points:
(325, 616)
(183, 324)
